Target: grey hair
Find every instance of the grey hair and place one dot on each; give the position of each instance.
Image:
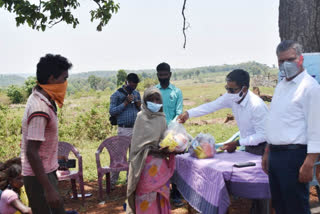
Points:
(287, 44)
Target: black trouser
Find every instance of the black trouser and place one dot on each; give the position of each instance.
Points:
(36, 196)
(257, 150)
(289, 196)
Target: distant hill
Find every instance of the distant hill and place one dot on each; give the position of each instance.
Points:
(254, 68)
(8, 79)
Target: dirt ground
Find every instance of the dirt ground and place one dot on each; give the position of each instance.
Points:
(113, 203)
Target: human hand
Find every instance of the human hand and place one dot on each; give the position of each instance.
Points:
(165, 150)
(53, 198)
(28, 211)
(182, 118)
(306, 171)
(230, 147)
(138, 103)
(130, 98)
(264, 162)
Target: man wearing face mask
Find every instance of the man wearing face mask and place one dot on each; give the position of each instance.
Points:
(171, 95)
(39, 144)
(172, 107)
(292, 132)
(248, 109)
(125, 104)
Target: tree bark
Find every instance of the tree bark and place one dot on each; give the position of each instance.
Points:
(299, 20)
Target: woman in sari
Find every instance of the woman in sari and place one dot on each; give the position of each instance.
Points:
(150, 168)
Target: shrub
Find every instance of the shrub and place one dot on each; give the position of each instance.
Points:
(15, 94)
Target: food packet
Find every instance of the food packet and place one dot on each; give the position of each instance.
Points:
(203, 146)
(176, 138)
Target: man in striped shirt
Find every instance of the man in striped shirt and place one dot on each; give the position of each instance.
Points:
(39, 147)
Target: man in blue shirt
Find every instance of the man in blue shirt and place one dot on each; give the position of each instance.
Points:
(171, 95)
(125, 104)
(172, 106)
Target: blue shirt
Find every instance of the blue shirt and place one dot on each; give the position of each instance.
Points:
(172, 101)
(126, 115)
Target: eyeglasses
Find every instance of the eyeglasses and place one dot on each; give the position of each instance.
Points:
(231, 90)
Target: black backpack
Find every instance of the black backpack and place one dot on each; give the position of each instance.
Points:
(113, 119)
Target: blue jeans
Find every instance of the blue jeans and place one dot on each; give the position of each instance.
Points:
(289, 196)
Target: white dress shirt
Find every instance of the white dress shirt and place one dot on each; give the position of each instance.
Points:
(250, 115)
(294, 116)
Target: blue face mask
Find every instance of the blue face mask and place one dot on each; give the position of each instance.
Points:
(154, 107)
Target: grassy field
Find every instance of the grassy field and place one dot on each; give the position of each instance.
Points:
(83, 121)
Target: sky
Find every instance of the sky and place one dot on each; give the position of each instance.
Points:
(145, 33)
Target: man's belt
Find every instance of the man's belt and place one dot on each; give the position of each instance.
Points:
(287, 147)
(125, 126)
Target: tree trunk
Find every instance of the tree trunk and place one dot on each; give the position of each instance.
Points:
(299, 20)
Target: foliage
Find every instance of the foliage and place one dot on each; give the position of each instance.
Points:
(146, 83)
(10, 120)
(121, 77)
(50, 12)
(15, 94)
(29, 84)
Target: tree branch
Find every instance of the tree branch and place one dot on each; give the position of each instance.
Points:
(184, 28)
(56, 23)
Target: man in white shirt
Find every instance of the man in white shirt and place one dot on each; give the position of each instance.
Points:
(292, 132)
(248, 109)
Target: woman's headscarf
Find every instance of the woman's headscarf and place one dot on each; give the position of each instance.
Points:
(148, 131)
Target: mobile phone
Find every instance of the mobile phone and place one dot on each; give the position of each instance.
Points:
(244, 164)
(71, 163)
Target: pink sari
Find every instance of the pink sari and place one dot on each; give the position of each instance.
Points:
(153, 190)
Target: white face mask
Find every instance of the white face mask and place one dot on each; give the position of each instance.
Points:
(154, 107)
(288, 69)
(235, 97)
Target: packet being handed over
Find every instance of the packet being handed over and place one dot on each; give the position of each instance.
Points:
(203, 146)
(177, 138)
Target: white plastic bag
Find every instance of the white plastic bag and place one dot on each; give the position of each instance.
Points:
(177, 139)
(203, 146)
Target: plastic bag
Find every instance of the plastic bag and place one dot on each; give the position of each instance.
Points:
(203, 146)
(177, 139)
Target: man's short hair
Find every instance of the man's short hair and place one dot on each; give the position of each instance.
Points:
(132, 77)
(163, 67)
(51, 65)
(287, 44)
(241, 77)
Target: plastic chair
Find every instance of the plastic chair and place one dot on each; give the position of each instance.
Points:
(314, 181)
(117, 147)
(64, 149)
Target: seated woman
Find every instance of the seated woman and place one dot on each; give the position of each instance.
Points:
(150, 169)
(9, 201)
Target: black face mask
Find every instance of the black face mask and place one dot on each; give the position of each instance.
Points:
(164, 81)
(129, 89)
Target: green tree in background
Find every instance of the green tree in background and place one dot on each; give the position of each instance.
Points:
(93, 81)
(47, 13)
(29, 84)
(15, 94)
(121, 77)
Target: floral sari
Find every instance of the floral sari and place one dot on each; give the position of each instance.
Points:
(153, 191)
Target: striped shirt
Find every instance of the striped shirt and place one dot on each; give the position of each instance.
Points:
(40, 123)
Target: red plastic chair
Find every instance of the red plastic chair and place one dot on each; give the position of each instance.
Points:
(117, 147)
(64, 149)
